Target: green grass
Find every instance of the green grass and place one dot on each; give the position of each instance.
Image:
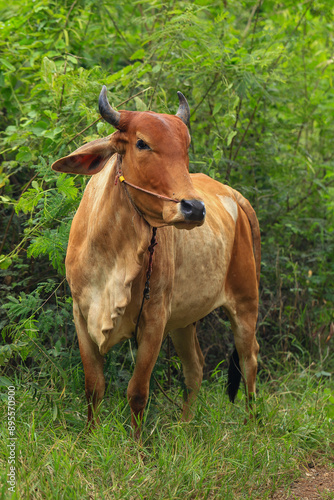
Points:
(214, 456)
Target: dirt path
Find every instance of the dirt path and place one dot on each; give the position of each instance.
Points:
(316, 483)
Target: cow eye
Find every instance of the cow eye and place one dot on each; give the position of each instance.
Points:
(142, 145)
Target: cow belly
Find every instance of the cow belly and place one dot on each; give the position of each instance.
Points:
(200, 269)
(192, 313)
(196, 302)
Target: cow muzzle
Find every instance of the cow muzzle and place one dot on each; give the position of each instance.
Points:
(193, 210)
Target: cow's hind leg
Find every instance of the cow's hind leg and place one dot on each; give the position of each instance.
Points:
(243, 363)
(187, 347)
(92, 362)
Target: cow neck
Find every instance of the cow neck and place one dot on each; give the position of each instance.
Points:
(153, 243)
(119, 231)
(150, 248)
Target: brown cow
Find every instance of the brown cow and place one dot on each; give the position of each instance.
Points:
(216, 263)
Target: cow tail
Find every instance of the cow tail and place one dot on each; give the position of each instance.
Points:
(255, 228)
(234, 376)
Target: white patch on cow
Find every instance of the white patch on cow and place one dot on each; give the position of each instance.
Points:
(230, 206)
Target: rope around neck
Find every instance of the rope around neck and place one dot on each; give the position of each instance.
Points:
(146, 292)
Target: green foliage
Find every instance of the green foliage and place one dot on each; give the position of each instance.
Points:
(258, 78)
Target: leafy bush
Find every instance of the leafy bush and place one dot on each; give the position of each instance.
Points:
(258, 79)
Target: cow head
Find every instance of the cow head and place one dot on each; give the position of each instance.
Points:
(153, 155)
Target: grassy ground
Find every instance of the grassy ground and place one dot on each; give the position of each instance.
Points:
(214, 456)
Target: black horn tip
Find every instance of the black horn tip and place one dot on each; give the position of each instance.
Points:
(107, 112)
(183, 111)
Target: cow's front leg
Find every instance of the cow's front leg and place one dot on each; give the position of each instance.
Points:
(149, 344)
(93, 367)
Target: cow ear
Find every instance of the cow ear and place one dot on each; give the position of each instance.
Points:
(90, 158)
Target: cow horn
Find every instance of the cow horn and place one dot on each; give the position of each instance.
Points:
(183, 112)
(107, 112)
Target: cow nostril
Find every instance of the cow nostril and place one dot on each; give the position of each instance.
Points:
(193, 210)
(186, 207)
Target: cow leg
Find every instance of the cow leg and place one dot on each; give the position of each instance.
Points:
(92, 362)
(187, 347)
(149, 345)
(245, 363)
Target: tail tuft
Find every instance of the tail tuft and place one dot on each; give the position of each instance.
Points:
(234, 376)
